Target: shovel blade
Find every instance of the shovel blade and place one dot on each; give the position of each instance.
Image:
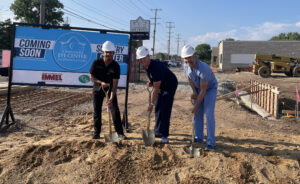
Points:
(115, 138)
(112, 138)
(193, 152)
(148, 137)
(107, 138)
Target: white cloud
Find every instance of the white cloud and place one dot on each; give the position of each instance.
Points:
(264, 31)
(260, 32)
(6, 14)
(211, 37)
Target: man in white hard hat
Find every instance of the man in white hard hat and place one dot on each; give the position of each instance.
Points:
(204, 85)
(105, 72)
(165, 84)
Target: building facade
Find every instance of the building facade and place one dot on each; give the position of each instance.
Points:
(240, 54)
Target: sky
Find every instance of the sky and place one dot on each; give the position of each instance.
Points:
(194, 22)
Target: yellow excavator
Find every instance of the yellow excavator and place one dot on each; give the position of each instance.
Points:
(267, 64)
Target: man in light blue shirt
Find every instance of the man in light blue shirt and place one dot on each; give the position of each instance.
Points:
(204, 85)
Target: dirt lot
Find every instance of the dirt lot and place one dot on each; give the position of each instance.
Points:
(51, 141)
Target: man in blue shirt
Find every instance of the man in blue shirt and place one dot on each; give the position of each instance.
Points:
(204, 85)
(165, 84)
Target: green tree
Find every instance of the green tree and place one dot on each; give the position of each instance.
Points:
(176, 57)
(28, 11)
(287, 36)
(203, 52)
(161, 56)
(134, 44)
(5, 34)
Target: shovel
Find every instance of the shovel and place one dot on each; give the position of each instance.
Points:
(194, 152)
(148, 135)
(113, 136)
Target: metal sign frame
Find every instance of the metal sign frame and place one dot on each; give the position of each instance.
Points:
(8, 110)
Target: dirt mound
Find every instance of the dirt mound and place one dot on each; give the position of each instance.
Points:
(193, 179)
(135, 164)
(106, 162)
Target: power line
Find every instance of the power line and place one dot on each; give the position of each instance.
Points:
(97, 11)
(84, 18)
(125, 5)
(154, 30)
(122, 8)
(148, 8)
(70, 9)
(132, 2)
(97, 19)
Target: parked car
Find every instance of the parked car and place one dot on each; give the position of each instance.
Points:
(170, 63)
(165, 62)
(178, 63)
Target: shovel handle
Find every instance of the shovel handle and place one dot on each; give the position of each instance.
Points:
(108, 111)
(106, 91)
(150, 90)
(193, 131)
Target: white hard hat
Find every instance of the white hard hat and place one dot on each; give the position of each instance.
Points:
(142, 52)
(187, 51)
(108, 46)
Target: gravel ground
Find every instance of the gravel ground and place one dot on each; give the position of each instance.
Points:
(224, 85)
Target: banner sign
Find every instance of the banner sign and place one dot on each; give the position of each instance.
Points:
(62, 57)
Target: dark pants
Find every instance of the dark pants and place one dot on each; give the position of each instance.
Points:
(163, 109)
(99, 96)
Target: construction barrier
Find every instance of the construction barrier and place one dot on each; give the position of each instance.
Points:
(266, 96)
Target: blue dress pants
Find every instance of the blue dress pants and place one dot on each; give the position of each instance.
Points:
(207, 107)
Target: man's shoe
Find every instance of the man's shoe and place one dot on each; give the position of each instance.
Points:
(158, 135)
(164, 140)
(209, 148)
(197, 140)
(122, 137)
(96, 136)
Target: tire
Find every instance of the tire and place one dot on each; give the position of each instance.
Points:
(296, 71)
(264, 72)
(289, 74)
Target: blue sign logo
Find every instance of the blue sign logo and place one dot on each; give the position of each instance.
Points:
(72, 51)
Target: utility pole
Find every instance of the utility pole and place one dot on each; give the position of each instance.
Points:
(42, 11)
(178, 40)
(154, 30)
(170, 26)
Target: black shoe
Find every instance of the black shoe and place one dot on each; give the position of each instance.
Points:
(164, 140)
(96, 136)
(209, 148)
(122, 137)
(158, 135)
